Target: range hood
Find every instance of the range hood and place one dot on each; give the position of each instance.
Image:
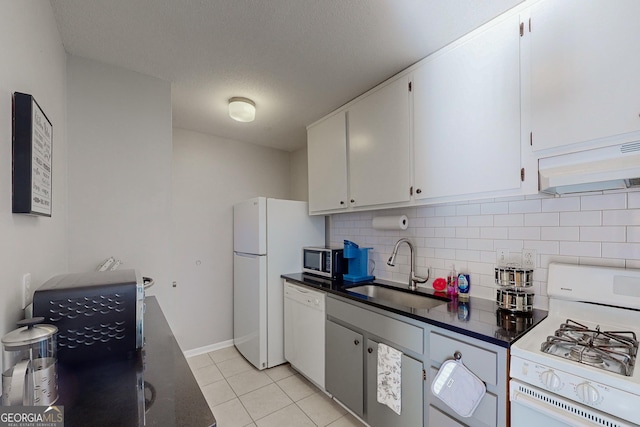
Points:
(608, 168)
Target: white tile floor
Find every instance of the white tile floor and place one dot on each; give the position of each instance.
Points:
(240, 395)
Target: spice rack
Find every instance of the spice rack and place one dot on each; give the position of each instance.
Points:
(513, 294)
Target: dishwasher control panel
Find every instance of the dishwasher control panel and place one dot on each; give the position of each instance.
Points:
(304, 295)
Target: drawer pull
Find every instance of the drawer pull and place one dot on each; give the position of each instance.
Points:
(370, 350)
(356, 342)
(457, 355)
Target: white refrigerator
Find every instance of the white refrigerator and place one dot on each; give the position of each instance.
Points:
(268, 236)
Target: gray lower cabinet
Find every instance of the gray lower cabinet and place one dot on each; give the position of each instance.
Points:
(344, 366)
(379, 415)
(353, 334)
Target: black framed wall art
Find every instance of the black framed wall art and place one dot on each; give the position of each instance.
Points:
(32, 157)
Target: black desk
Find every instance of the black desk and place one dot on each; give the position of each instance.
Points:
(155, 388)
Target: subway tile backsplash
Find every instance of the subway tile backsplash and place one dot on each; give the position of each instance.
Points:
(589, 228)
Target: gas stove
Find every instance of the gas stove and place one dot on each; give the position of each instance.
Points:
(613, 351)
(579, 361)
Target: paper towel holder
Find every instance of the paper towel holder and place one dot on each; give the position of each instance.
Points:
(394, 222)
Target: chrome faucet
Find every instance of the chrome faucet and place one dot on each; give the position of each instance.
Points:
(413, 279)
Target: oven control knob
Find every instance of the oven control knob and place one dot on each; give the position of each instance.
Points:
(550, 380)
(587, 393)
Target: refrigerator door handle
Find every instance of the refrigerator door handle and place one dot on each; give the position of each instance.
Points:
(246, 255)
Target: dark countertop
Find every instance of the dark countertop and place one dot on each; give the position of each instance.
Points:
(478, 318)
(116, 392)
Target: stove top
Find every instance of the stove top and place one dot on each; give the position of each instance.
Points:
(613, 351)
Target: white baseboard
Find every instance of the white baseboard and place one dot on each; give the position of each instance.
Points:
(208, 348)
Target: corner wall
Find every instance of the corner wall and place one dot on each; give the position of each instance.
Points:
(299, 175)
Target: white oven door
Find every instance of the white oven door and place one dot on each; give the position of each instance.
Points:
(534, 407)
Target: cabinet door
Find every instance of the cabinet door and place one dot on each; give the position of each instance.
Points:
(327, 164)
(584, 71)
(344, 368)
(440, 419)
(379, 146)
(467, 116)
(411, 411)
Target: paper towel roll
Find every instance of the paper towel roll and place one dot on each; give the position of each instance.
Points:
(398, 222)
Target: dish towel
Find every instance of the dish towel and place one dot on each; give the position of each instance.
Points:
(389, 377)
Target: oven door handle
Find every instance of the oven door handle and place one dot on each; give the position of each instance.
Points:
(549, 410)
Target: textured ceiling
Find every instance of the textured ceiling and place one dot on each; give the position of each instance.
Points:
(297, 59)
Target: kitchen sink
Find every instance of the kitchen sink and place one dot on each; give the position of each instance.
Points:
(407, 299)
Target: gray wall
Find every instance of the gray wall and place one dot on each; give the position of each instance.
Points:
(120, 172)
(33, 62)
(210, 175)
(299, 175)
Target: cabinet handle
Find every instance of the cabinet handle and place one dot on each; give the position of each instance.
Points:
(457, 355)
(418, 191)
(353, 201)
(370, 350)
(356, 342)
(342, 202)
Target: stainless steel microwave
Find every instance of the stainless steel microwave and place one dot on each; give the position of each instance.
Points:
(325, 262)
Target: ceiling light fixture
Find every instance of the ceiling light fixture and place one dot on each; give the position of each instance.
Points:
(242, 109)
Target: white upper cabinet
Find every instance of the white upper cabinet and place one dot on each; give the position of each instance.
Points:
(327, 164)
(466, 101)
(380, 146)
(585, 71)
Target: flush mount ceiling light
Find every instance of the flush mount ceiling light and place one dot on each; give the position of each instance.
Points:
(242, 109)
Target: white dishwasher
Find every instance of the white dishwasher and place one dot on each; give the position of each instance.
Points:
(304, 317)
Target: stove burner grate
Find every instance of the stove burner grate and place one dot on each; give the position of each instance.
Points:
(586, 355)
(613, 351)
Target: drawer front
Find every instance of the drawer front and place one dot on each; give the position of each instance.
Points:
(395, 331)
(480, 361)
(486, 412)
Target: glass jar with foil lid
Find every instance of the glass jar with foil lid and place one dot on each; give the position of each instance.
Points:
(514, 277)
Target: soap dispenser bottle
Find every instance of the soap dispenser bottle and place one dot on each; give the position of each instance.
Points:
(463, 286)
(452, 282)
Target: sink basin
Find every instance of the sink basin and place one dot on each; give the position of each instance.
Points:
(397, 296)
